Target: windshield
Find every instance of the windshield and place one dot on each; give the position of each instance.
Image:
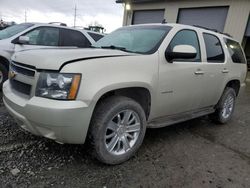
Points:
(13, 30)
(137, 39)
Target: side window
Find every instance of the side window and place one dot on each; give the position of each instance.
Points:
(44, 36)
(214, 49)
(74, 38)
(95, 36)
(187, 37)
(235, 51)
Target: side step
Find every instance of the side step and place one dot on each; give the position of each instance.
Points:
(173, 119)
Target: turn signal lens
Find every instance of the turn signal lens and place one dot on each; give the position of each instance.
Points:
(74, 87)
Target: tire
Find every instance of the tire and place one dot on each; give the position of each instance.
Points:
(222, 114)
(3, 75)
(104, 129)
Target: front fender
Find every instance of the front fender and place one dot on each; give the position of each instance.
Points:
(123, 85)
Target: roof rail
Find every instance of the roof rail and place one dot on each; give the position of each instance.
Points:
(214, 30)
(58, 23)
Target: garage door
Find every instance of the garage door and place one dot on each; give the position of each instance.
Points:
(248, 28)
(148, 16)
(212, 17)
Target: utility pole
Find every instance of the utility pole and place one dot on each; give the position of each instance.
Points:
(25, 16)
(75, 16)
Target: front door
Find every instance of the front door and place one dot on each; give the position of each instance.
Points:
(180, 82)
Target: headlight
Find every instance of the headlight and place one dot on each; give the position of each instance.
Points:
(62, 86)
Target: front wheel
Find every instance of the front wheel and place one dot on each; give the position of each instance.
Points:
(225, 107)
(117, 129)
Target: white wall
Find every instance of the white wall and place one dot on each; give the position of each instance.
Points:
(235, 25)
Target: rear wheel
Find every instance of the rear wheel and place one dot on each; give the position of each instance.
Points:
(117, 129)
(3, 75)
(225, 107)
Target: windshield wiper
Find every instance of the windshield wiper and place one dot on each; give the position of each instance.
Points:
(114, 47)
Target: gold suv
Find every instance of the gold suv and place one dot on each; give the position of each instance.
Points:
(134, 78)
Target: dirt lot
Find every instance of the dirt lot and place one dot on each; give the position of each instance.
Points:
(196, 153)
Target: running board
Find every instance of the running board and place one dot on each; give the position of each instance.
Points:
(173, 119)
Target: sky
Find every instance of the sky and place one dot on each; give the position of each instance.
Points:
(105, 12)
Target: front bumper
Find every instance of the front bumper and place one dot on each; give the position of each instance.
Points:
(62, 121)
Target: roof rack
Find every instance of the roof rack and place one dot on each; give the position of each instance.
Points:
(214, 30)
(58, 23)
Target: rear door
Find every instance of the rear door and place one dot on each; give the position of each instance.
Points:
(215, 70)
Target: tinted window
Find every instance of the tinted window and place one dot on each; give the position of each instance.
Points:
(235, 51)
(44, 36)
(95, 36)
(186, 37)
(214, 49)
(137, 39)
(74, 38)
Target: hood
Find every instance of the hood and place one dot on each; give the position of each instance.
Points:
(55, 59)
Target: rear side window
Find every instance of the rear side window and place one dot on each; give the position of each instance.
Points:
(235, 51)
(187, 37)
(214, 49)
(95, 36)
(74, 38)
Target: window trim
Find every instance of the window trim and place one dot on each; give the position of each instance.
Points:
(214, 62)
(199, 44)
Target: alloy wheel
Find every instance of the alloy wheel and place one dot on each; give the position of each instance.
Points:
(122, 132)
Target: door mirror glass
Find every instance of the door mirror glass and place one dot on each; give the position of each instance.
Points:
(23, 40)
(181, 52)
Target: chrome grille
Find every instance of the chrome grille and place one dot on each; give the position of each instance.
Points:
(23, 79)
(24, 71)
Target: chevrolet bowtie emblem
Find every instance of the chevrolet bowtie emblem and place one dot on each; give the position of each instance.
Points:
(12, 74)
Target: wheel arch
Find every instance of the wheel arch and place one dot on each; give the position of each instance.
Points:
(4, 61)
(234, 84)
(139, 93)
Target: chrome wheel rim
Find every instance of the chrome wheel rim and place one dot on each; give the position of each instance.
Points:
(122, 132)
(228, 106)
(1, 76)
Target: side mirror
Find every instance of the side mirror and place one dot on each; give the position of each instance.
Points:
(180, 52)
(23, 40)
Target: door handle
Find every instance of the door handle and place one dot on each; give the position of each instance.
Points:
(225, 71)
(199, 72)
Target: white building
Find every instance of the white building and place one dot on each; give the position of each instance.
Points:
(228, 16)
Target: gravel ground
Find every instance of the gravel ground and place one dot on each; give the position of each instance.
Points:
(196, 153)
